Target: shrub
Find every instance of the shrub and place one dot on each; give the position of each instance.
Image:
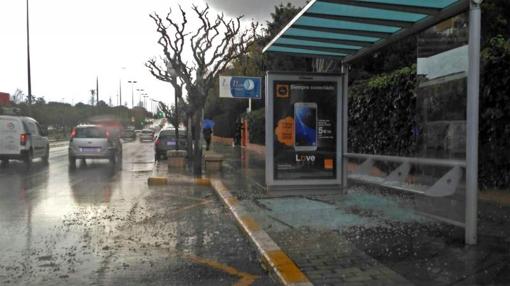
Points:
(257, 126)
(494, 149)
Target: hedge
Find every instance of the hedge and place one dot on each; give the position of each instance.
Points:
(224, 125)
(494, 150)
(256, 126)
(382, 112)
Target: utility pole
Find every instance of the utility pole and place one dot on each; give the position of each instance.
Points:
(97, 90)
(120, 92)
(28, 64)
(132, 82)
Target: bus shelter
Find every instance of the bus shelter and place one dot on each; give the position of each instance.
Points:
(348, 30)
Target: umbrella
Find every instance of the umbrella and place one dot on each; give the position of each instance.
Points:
(207, 123)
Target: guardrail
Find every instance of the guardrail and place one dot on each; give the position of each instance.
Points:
(397, 178)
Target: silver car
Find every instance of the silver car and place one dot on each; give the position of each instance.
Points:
(94, 142)
(147, 135)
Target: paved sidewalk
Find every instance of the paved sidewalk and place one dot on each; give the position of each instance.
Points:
(369, 238)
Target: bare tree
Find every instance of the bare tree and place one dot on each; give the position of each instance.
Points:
(214, 45)
(325, 65)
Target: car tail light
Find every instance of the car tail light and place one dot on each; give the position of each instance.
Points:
(23, 139)
(73, 133)
(158, 141)
(107, 134)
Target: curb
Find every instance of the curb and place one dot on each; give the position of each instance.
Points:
(285, 269)
(165, 181)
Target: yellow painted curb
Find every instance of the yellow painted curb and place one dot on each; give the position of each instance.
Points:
(250, 223)
(158, 181)
(231, 201)
(203, 182)
(272, 256)
(286, 267)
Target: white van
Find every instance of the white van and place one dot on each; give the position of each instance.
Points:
(21, 138)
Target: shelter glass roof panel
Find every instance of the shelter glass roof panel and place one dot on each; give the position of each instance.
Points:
(363, 12)
(304, 51)
(287, 41)
(416, 3)
(353, 28)
(329, 23)
(327, 35)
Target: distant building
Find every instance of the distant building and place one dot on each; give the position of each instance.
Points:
(5, 99)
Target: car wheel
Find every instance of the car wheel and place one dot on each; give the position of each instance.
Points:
(46, 158)
(156, 157)
(113, 159)
(72, 162)
(5, 163)
(28, 159)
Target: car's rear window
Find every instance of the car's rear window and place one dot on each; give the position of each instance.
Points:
(90, 132)
(171, 134)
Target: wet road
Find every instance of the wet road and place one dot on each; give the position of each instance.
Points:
(98, 225)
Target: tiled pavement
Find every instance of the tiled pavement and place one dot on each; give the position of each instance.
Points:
(332, 246)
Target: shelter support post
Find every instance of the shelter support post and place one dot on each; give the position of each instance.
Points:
(345, 123)
(472, 123)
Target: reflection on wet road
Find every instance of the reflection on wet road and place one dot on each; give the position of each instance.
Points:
(99, 225)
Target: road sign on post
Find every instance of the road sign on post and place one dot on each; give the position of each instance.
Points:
(240, 87)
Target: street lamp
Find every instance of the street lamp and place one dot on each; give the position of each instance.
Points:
(132, 82)
(171, 71)
(140, 90)
(144, 100)
(154, 103)
(28, 64)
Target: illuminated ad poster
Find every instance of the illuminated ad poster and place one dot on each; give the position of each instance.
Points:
(305, 130)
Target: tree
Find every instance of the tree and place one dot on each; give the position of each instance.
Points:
(214, 45)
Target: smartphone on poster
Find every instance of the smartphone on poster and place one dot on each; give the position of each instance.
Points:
(305, 126)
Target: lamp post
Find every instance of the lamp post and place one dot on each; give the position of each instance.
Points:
(140, 91)
(172, 73)
(28, 64)
(155, 103)
(145, 100)
(132, 82)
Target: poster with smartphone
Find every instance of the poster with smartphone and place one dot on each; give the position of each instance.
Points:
(305, 130)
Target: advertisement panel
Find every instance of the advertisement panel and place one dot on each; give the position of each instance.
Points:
(303, 130)
(240, 87)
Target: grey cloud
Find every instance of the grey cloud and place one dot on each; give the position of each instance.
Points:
(259, 10)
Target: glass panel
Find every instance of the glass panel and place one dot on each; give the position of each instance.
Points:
(441, 96)
(363, 12)
(328, 23)
(416, 3)
(303, 51)
(326, 35)
(315, 44)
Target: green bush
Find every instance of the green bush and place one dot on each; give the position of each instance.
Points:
(494, 149)
(382, 112)
(224, 125)
(257, 126)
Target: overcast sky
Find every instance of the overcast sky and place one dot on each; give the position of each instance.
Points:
(73, 41)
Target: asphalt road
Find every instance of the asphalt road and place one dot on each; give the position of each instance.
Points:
(99, 225)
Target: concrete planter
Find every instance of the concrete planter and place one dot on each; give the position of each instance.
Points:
(213, 162)
(176, 159)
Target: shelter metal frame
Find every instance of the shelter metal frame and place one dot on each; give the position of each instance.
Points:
(355, 28)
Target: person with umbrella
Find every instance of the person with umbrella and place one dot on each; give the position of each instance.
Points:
(208, 125)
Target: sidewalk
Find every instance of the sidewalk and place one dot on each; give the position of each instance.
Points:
(367, 238)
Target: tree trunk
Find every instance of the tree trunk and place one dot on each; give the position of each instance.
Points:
(197, 144)
(189, 140)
